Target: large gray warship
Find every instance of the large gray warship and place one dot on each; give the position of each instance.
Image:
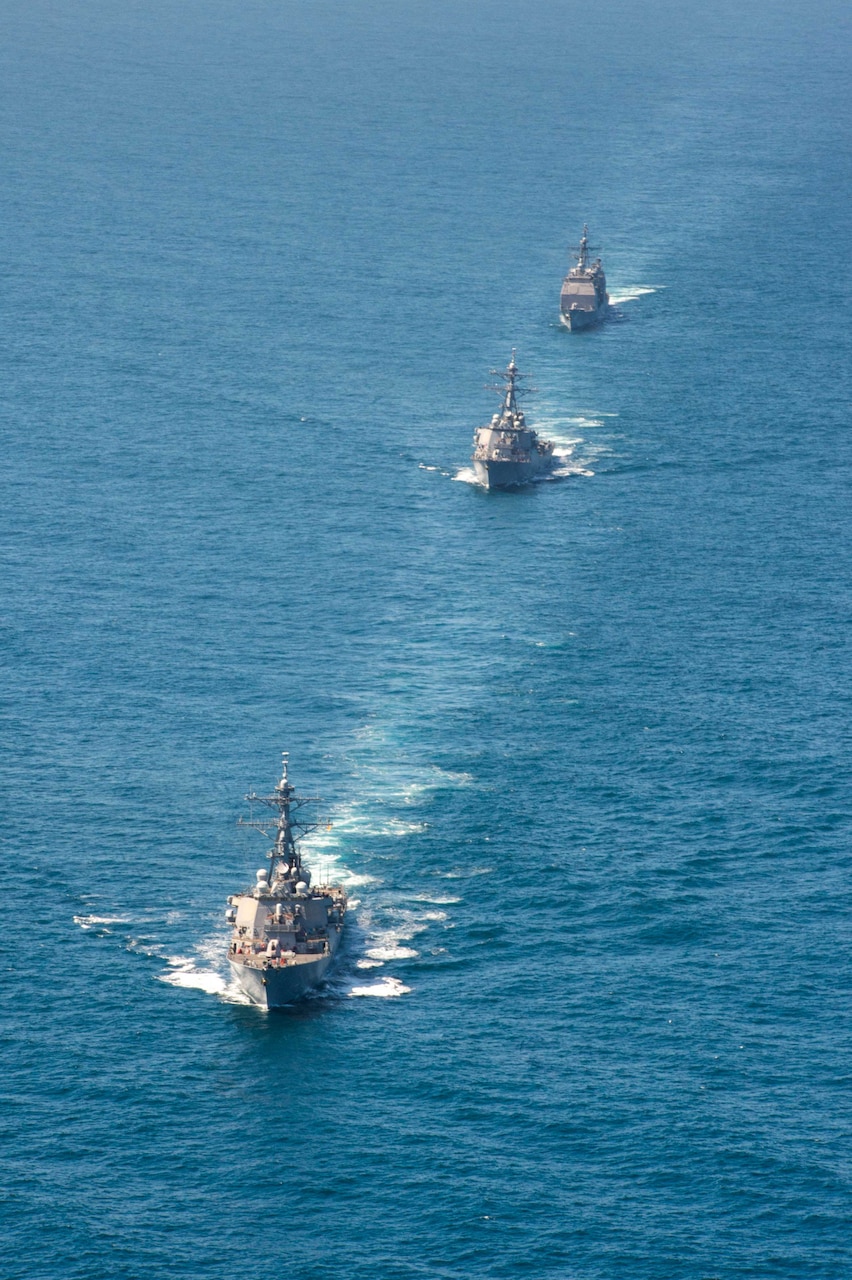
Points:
(285, 933)
(584, 299)
(507, 452)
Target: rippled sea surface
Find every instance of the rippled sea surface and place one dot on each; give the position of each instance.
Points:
(586, 747)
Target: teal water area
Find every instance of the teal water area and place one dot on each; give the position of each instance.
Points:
(586, 747)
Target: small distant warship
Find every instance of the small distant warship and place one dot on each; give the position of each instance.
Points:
(508, 452)
(584, 299)
(285, 933)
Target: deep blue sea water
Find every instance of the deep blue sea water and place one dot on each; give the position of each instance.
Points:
(587, 746)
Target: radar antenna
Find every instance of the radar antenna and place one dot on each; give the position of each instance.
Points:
(583, 249)
(507, 388)
(282, 827)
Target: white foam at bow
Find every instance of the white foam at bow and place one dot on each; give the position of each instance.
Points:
(195, 979)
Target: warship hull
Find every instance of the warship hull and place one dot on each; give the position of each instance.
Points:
(276, 988)
(509, 475)
(584, 300)
(576, 320)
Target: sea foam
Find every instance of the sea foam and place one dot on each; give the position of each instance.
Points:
(386, 988)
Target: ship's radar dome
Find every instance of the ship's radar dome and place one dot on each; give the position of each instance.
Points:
(263, 874)
(301, 887)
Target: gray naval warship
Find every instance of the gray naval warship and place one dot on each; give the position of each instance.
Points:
(508, 452)
(285, 932)
(584, 299)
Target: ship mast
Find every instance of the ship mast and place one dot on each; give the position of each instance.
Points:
(582, 250)
(508, 389)
(284, 829)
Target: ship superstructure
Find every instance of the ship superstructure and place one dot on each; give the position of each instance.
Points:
(584, 299)
(285, 932)
(508, 452)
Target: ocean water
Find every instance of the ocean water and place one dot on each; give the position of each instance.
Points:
(586, 747)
